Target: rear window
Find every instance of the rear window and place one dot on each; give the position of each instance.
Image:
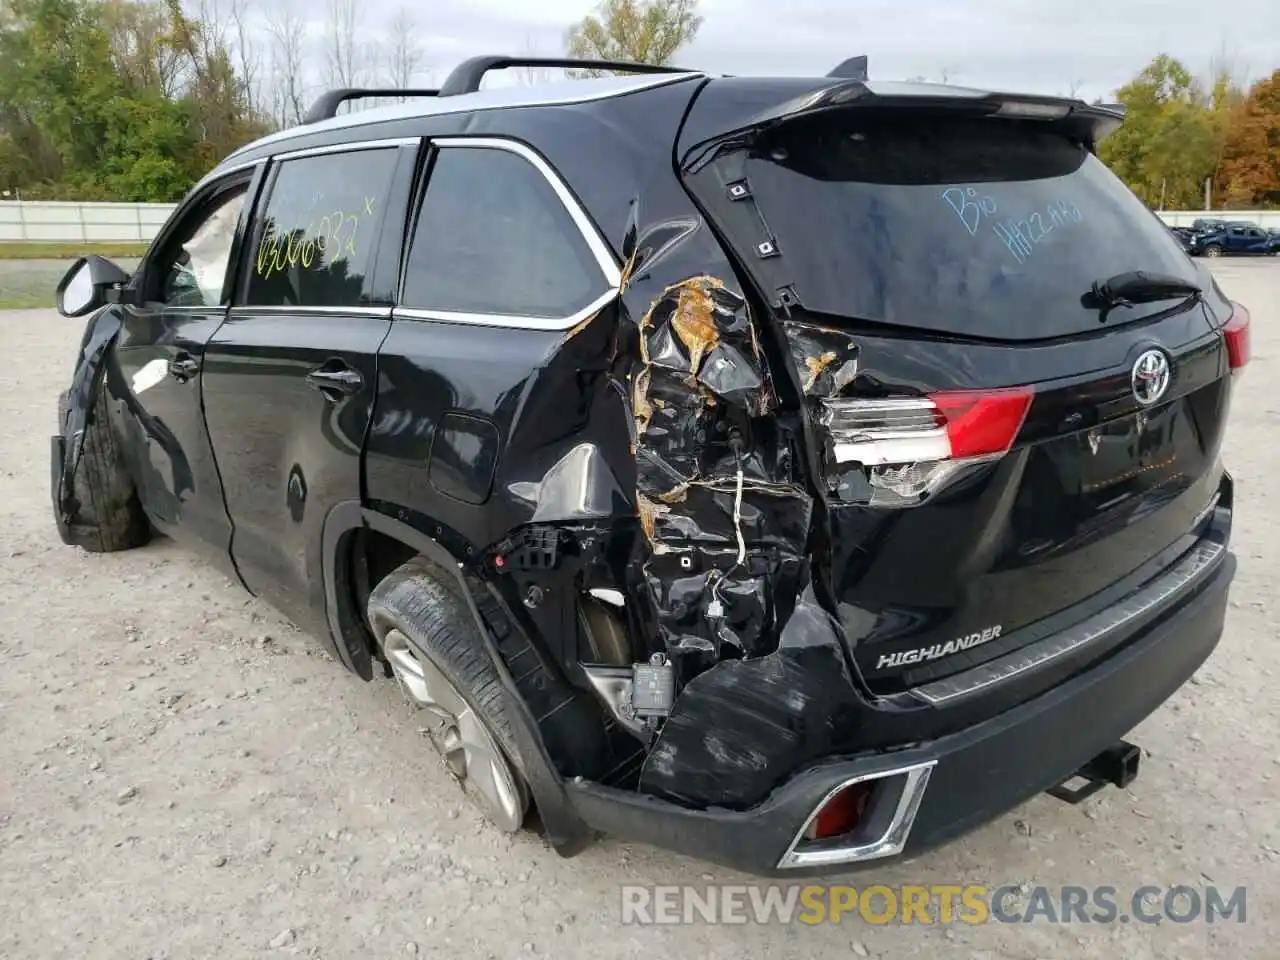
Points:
(493, 239)
(319, 229)
(978, 226)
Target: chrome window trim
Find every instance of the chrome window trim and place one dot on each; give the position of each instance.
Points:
(599, 249)
(600, 252)
(358, 311)
(550, 324)
(214, 175)
(354, 146)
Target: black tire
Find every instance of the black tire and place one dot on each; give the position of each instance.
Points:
(425, 604)
(110, 517)
(1213, 250)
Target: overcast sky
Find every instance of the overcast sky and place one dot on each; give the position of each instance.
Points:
(1047, 46)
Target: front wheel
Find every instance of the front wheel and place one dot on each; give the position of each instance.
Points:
(430, 640)
(109, 516)
(1213, 250)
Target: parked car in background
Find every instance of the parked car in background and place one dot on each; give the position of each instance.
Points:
(1202, 225)
(1183, 235)
(1235, 239)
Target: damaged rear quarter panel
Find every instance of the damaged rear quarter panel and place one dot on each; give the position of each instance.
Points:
(660, 440)
(715, 397)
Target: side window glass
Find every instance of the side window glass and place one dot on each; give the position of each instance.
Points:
(197, 268)
(494, 238)
(318, 231)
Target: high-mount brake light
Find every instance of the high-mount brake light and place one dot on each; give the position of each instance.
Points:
(1031, 110)
(1236, 334)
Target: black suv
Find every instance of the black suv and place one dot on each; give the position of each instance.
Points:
(793, 472)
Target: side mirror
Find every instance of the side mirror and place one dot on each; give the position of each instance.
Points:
(88, 285)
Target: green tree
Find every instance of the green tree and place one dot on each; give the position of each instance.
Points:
(1166, 147)
(55, 80)
(642, 31)
(114, 99)
(1175, 133)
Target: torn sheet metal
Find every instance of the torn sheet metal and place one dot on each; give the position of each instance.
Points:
(740, 729)
(725, 521)
(85, 382)
(579, 486)
(826, 360)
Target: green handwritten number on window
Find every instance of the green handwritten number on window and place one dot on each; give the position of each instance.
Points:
(260, 266)
(334, 235)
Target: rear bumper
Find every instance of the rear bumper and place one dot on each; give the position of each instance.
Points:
(934, 792)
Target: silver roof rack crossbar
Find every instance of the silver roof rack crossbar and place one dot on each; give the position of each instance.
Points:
(466, 76)
(327, 104)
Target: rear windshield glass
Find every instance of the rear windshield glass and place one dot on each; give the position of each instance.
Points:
(979, 226)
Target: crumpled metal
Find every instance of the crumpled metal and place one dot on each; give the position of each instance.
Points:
(703, 380)
(739, 729)
(826, 360)
(85, 382)
(578, 486)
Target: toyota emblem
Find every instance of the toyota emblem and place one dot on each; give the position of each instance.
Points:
(1150, 377)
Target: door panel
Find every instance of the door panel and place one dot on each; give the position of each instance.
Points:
(502, 263)
(288, 442)
(172, 461)
(290, 378)
(156, 378)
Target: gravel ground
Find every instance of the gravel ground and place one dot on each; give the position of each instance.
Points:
(183, 775)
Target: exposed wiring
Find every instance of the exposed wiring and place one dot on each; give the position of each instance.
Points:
(715, 608)
(737, 518)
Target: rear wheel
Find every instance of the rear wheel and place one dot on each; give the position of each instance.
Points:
(430, 640)
(109, 517)
(1213, 250)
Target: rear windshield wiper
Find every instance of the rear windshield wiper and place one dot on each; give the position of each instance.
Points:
(1138, 286)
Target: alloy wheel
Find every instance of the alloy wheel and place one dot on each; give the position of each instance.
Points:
(464, 741)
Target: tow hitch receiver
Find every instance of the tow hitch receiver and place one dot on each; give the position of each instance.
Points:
(1116, 765)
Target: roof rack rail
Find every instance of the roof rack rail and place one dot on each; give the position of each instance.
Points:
(326, 105)
(466, 76)
(855, 68)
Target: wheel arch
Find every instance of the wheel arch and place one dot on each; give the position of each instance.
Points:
(352, 638)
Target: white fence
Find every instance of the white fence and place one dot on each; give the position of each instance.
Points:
(42, 220)
(49, 221)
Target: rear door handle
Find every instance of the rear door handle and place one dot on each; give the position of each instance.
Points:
(335, 382)
(183, 367)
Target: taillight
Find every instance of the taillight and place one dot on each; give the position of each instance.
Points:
(1236, 334)
(982, 423)
(910, 446)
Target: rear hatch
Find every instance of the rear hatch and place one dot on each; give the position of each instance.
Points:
(1005, 450)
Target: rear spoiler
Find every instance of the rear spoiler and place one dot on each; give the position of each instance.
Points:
(1086, 122)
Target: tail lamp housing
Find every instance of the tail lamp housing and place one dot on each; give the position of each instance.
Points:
(911, 446)
(1236, 334)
